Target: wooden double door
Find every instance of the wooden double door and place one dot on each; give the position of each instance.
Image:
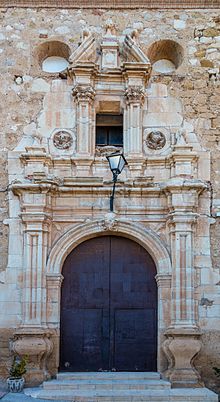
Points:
(109, 307)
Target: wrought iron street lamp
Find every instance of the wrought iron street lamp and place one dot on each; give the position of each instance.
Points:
(116, 162)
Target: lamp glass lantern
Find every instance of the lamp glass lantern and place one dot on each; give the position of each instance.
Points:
(117, 163)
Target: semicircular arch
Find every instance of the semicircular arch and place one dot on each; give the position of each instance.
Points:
(77, 234)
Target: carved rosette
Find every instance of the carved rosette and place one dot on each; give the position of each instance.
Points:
(155, 140)
(83, 93)
(62, 140)
(135, 94)
(37, 345)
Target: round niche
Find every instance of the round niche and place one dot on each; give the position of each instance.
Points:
(53, 56)
(165, 56)
(54, 64)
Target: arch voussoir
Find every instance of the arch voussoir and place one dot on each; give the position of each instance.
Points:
(139, 233)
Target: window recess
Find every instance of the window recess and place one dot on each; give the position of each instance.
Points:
(109, 130)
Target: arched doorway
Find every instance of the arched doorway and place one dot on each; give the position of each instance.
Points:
(108, 307)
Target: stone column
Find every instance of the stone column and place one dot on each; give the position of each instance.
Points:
(136, 75)
(54, 282)
(181, 228)
(36, 240)
(183, 335)
(84, 97)
(135, 96)
(164, 306)
(33, 338)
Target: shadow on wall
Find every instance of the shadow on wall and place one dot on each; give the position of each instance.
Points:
(165, 55)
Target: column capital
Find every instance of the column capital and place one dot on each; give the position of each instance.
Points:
(54, 280)
(183, 195)
(163, 280)
(180, 184)
(183, 219)
(83, 93)
(135, 94)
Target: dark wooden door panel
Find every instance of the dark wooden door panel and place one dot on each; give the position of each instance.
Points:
(83, 340)
(135, 341)
(108, 307)
(85, 307)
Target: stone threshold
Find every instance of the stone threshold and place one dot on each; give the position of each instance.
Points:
(117, 387)
(163, 395)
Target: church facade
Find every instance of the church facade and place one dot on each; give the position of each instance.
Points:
(82, 287)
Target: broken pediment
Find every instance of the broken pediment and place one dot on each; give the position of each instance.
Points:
(109, 55)
(86, 52)
(133, 51)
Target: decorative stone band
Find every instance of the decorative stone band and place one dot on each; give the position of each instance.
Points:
(149, 4)
(135, 94)
(83, 94)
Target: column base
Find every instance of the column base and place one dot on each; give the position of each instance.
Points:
(35, 343)
(181, 347)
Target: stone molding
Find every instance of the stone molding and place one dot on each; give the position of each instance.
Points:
(109, 224)
(148, 4)
(79, 233)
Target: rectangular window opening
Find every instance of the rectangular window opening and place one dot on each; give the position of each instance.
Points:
(109, 130)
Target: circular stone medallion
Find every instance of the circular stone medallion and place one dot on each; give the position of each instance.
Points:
(155, 140)
(62, 140)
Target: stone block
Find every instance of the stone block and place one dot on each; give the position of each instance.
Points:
(168, 119)
(157, 91)
(164, 105)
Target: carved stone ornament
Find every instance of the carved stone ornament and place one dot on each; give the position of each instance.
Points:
(108, 225)
(135, 94)
(103, 151)
(83, 94)
(62, 140)
(155, 140)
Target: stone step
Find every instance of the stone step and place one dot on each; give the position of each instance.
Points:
(166, 395)
(106, 384)
(108, 375)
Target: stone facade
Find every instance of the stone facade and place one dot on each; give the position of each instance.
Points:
(55, 186)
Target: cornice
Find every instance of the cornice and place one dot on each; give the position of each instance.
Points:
(113, 4)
